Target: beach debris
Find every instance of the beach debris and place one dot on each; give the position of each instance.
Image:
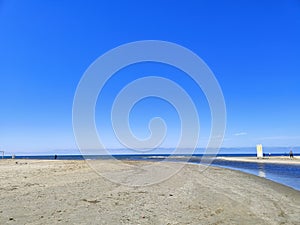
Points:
(91, 201)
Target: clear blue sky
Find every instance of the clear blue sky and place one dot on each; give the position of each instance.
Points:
(252, 47)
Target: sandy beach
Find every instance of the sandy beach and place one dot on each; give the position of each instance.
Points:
(272, 159)
(70, 192)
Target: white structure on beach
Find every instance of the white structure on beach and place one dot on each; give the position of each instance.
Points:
(259, 151)
(2, 154)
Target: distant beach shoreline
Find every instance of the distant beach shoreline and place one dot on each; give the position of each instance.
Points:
(271, 159)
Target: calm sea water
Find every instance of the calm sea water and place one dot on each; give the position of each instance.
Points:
(285, 174)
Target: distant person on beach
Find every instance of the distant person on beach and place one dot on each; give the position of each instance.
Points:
(55, 157)
(291, 154)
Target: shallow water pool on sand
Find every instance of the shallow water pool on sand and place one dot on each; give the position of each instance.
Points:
(285, 174)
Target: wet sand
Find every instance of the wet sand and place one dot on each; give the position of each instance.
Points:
(70, 192)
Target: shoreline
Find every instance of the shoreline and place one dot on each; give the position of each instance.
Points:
(271, 159)
(279, 160)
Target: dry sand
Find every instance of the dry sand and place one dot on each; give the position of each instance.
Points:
(70, 192)
(272, 159)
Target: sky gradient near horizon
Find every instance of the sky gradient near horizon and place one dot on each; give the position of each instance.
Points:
(252, 47)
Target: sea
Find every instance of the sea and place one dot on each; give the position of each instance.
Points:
(286, 174)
